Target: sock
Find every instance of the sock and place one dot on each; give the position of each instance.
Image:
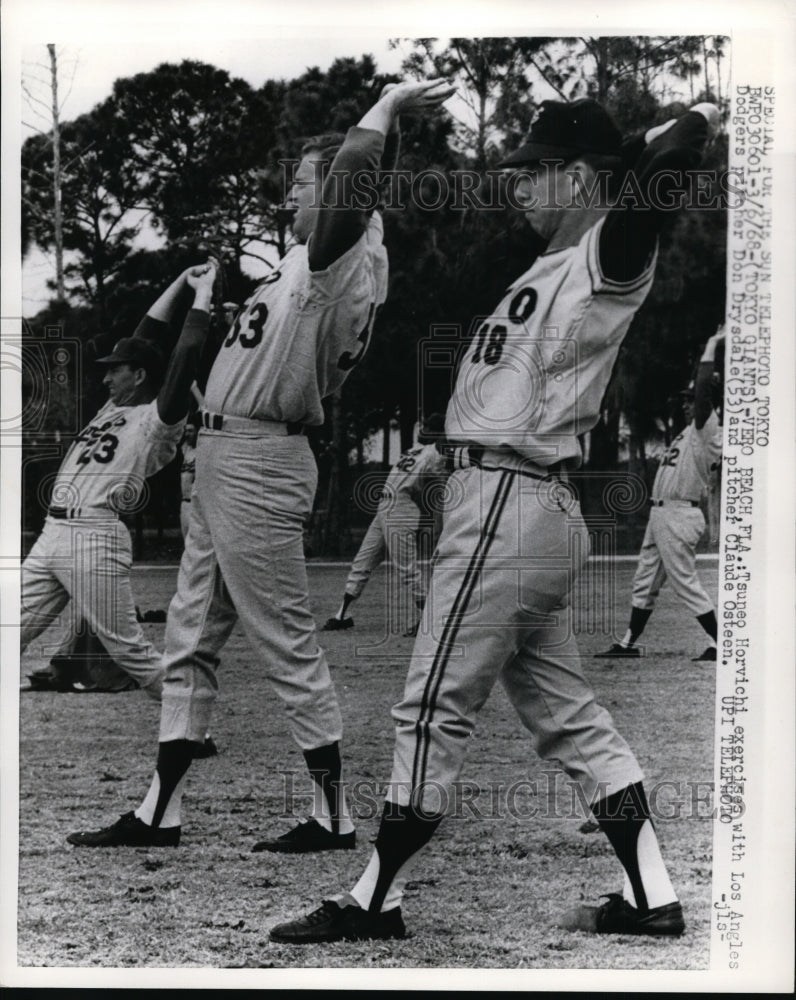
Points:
(329, 805)
(624, 818)
(403, 831)
(638, 619)
(347, 599)
(708, 623)
(161, 806)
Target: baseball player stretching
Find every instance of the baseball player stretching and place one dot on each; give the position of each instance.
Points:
(293, 343)
(84, 550)
(676, 522)
(529, 383)
(394, 528)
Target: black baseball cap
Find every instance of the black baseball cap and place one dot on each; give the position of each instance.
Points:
(564, 130)
(138, 353)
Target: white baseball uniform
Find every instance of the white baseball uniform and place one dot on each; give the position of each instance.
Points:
(530, 382)
(84, 550)
(293, 343)
(676, 521)
(394, 528)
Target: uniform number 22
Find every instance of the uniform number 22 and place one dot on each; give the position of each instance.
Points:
(254, 332)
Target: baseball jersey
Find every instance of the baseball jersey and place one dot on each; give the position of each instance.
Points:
(301, 332)
(110, 459)
(534, 375)
(413, 471)
(684, 472)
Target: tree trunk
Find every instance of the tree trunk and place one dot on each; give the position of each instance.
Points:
(57, 209)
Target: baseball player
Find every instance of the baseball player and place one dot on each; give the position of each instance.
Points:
(187, 472)
(394, 529)
(84, 550)
(676, 521)
(529, 383)
(292, 343)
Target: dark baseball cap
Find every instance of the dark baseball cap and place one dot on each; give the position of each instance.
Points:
(136, 352)
(563, 130)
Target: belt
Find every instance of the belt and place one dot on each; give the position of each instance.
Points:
(81, 514)
(246, 425)
(495, 459)
(674, 503)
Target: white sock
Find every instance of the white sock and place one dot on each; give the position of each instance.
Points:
(627, 640)
(320, 809)
(171, 817)
(654, 876)
(366, 886)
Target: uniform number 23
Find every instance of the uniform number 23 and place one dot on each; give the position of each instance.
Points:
(252, 336)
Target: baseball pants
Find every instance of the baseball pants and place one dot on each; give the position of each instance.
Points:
(89, 561)
(244, 558)
(669, 551)
(507, 558)
(393, 530)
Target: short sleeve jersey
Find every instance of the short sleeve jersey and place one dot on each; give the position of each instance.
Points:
(533, 377)
(109, 461)
(684, 472)
(300, 334)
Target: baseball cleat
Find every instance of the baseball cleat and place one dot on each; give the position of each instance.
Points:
(708, 655)
(590, 826)
(128, 831)
(337, 624)
(617, 916)
(206, 749)
(617, 650)
(307, 838)
(332, 922)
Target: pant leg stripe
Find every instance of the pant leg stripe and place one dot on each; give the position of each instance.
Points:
(451, 628)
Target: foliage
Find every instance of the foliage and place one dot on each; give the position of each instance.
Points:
(198, 160)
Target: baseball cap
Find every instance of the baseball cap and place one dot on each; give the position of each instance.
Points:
(563, 130)
(137, 352)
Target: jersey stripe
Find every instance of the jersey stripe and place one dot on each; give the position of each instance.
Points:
(451, 627)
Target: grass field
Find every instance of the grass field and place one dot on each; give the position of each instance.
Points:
(488, 889)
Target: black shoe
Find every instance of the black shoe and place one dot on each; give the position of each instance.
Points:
(46, 680)
(411, 632)
(332, 922)
(617, 650)
(306, 838)
(590, 826)
(709, 655)
(337, 624)
(617, 916)
(128, 831)
(206, 749)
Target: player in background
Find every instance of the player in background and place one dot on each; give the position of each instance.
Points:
(676, 522)
(393, 530)
(292, 343)
(187, 471)
(530, 382)
(84, 551)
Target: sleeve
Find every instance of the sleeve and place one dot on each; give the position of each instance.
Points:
(151, 329)
(709, 437)
(174, 397)
(161, 440)
(631, 228)
(350, 194)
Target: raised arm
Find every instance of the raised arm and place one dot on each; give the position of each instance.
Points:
(171, 303)
(350, 191)
(175, 394)
(630, 230)
(703, 384)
